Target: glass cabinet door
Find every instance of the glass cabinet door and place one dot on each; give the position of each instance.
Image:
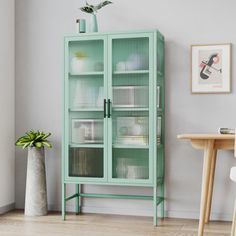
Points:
(86, 86)
(130, 73)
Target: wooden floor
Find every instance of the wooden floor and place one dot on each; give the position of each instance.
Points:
(16, 224)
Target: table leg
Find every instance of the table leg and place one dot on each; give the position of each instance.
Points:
(235, 144)
(233, 230)
(211, 184)
(208, 151)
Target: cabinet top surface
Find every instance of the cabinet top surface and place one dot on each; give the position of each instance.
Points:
(113, 33)
(206, 136)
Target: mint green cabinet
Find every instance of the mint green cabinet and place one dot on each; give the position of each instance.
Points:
(113, 114)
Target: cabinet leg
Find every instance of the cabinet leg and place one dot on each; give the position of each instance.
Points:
(63, 199)
(155, 206)
(162, 190)
(78, 199)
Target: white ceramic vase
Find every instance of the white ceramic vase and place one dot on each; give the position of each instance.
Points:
(77, 65)
(36, 191)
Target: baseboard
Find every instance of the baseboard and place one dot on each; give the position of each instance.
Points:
(142, 212)
(7, 208)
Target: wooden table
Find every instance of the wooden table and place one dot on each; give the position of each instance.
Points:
(210, 143)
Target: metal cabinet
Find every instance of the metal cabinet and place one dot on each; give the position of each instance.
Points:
(113, 114)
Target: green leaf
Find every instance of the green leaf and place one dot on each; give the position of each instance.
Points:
(31, 143)
(46, 136)
(46, 143)
(31, 135)
(26, 145)
(38, 144)
(38, 136)
(34, 139)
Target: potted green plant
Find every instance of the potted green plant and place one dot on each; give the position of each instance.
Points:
(36, 191)
(92, 9)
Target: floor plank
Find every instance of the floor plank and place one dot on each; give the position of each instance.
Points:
(16, 224)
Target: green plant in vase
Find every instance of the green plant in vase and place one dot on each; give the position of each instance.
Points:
(36, 191)
(92, 9)
(34, 139)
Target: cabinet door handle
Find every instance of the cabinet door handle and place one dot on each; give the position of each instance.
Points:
(105, 108)
(109, 108)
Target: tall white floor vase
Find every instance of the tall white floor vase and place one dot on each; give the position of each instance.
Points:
(36, 191)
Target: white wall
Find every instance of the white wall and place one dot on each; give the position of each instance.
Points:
(7, 127)
(40, 27)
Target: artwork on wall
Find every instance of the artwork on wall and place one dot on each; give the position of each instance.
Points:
(211, 68)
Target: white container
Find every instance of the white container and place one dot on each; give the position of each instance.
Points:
(87, 131)
(130, 96)
(77, 66)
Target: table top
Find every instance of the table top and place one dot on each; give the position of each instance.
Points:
(206, 136)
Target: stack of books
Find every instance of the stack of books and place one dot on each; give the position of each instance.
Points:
(226, 131)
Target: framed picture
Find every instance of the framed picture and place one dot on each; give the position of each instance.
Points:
(211, 68)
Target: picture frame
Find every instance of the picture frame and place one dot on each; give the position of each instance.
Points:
(211, 68)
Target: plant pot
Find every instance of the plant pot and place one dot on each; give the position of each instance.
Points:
(36, 191)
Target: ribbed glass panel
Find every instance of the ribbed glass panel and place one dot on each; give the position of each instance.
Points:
(86, 162)
(87, 92)
(130, 54)
(130, 114)
(85, 103)
(130, 163)
(130, 128)
(86, 56)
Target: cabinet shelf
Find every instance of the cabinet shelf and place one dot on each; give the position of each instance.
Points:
(131, 72)
(130, 146)
(130, 109)
(86, 145)
(85, 109)
(88, 73)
